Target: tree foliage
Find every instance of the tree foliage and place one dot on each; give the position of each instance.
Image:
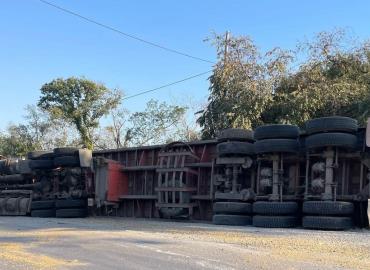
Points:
(333, 80)
(149, 126)
(118, 129)
(17, 142)
(38, 132)
(155, 125)
(328, 75)
(80, 102)
(241, 84)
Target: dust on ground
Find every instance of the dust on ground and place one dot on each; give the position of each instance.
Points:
(32, 243)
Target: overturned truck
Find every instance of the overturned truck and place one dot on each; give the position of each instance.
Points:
(47, 184)
(277, 176)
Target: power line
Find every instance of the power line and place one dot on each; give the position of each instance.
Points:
(166, 85)
(123, 33)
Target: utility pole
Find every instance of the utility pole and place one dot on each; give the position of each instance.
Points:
(226, 50)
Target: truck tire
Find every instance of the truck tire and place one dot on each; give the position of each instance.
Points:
(343, 140)
(43, 213)
(71, 213)
(276, 145)
(232, 208)
(233, 220)
(275, 221)
(275, 208)
(66, 151)
(327, 223)
(235, 134)
(37, 205)
(331, 124)
(172, 212)
(276, 131)
(12, 178)
(41, 164)
(328, 208)
(67, 161)
(40, 155)
(70, 203)
(235, 148)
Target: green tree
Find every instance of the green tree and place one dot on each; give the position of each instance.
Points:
(38, 132)
(80, 102)
(17, 141)
(157, 124)
(241, 85)
(48, 132)
(332, 80)
(327, 75)
(153, 125)
(118, 129)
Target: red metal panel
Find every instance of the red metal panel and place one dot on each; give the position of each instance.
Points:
(117, 182)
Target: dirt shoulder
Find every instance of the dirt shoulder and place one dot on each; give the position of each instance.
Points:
(102, 243)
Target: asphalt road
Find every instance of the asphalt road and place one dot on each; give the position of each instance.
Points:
(118, 243)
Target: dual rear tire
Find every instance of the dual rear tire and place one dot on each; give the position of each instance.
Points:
(268, 214)
(328, 215)
(43, 209)
(66, 157)
(332, 131)
(71, 208)
(275, 214)
(232, 213)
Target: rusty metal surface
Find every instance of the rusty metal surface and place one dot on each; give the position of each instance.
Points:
(110, 181)
(150, 147)
(176, 182)
(141, 165)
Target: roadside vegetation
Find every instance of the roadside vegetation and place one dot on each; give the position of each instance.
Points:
(327, 75)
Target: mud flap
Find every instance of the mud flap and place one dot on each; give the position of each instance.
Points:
(15, 202)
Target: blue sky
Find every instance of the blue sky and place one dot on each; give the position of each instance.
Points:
(39, 43)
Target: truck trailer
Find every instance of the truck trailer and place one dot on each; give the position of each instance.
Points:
(278, 175)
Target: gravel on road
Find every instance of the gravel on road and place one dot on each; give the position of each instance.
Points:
(122, 243)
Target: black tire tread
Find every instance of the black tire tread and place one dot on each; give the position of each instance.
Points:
(331, 124)
(277, 146)
(233, 220)
(43, 213)
(71, 213)
(67, 161)
(41, 164)
(275, 221)
(342, 140)
(235, 148)
(70, 203)
(45, 204)
(40, 155)
(328, 208)
(275, 208)
(276, 131)
(232, 208)
(66, 151)
(327, 223)
(235, 134)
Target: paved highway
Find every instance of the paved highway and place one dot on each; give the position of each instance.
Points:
(118, 243)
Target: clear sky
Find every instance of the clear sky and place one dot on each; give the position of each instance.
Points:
(39, 43)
